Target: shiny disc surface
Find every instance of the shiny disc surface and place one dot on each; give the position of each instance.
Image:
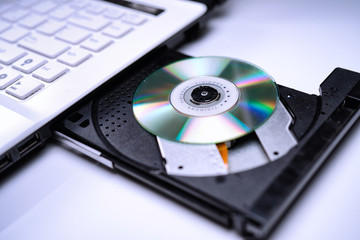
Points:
(205, 100)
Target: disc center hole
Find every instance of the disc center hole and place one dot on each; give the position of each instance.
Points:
(204, 95)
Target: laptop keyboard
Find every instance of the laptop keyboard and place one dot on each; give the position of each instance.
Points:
(42, 40)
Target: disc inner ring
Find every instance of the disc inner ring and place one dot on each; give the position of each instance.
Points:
(204, 96)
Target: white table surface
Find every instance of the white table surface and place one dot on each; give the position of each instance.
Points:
(62, 195)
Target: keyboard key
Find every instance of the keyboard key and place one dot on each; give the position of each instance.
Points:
(29, 63)
(96, 43)
(117, 30)
(43, 45)
(44, 6)
(74, 57)
(79, 3)
(51, 27)
(5, 7)
(61, 1)
(26, 3)
(32, 20)
(72, 34)
(9, 54)
(4, 25)
(88, 21)
(15, 14)
(62, 12)
(14, 34)
(95, 8)
(24, 88)
(113, 13)
(50, 72)
(134, 19)
(7, 77)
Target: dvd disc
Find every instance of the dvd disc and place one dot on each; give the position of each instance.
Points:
(205, 100)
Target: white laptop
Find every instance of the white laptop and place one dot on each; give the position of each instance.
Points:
(55, 52)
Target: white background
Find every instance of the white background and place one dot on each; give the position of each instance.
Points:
(61, 195)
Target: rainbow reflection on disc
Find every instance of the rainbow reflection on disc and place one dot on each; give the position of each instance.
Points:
(205, 100)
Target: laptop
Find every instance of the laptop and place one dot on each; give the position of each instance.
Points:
(54, 53)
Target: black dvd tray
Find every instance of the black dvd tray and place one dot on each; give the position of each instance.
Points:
(253, 201)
